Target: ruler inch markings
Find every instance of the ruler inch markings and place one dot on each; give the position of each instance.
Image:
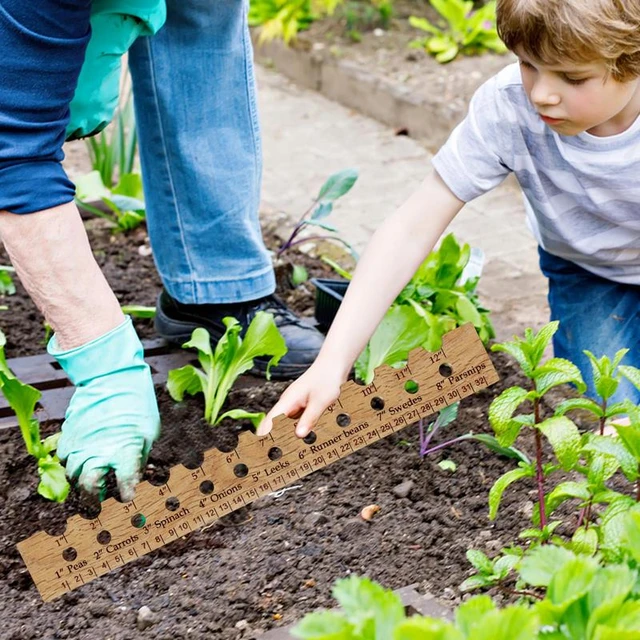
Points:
(63, 563)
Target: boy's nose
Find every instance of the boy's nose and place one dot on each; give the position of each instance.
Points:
(543, 94)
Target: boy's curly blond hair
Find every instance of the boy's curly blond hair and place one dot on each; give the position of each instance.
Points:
(560, 32)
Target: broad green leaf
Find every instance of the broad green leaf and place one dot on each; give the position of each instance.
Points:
(620, 451)
(613, 524)
(241, 414)
(572, 581)
(186, 379)
(603, 379)
(564, 437)
(610, 588)
(90, 187)
(299, 275)
(469, 612)
(454, 12)
(121, 204)
(539, 342)
(337, 185)
(630, 535)
(493, 445)
(538, 566)
(468, 312)
(505, 564)
(512, 623)
(631, 374)
(53, 481)
(200, 340)
(364, 602)
(476, 582)
(50, 443)
(130, 185)
(401, 330)
(325, 625)
(555, 372)
(7, 286)
(501, 484)
(423, 24)
(426, 629)
(501, 413)
(23, 398)
(584, 541)
(567, 491)
(515, 350)
(584, 404)
(480, 561)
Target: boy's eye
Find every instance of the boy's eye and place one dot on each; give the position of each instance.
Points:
(575, 80)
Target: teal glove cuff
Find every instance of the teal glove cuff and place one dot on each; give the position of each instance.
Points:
(118, 350)
(115, 26)
(112, 419)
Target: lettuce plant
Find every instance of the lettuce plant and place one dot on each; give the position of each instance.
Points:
(232, 357)
(7, 287)
(437, 299)
(467, 31)
(23, 398)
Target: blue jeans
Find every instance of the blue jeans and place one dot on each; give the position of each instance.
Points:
(595, 314)
(200, 151)
(198, 128)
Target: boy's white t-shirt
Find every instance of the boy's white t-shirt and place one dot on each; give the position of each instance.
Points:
(582, 193)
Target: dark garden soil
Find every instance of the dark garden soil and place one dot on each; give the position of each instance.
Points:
(277, 559)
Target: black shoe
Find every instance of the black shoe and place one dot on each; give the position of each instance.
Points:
(176, 321)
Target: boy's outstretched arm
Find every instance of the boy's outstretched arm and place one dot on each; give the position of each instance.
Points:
(392, 256)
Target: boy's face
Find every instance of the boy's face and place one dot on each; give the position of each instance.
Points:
(575, 98)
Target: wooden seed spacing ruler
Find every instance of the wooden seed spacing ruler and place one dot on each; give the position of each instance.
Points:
(224, 482)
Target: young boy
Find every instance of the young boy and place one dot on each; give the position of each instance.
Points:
(565, 120)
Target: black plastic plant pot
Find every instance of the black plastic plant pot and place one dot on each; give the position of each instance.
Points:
(329, 295)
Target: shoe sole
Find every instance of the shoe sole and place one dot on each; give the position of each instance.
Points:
(179, 331)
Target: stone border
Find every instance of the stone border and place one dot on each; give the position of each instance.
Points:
(354, 87)
(415, 604)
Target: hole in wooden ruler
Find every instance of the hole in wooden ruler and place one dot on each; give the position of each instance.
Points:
(69, 554)
(411, 386)
(157, 476)
(104, 537)
(193, 459)
(138, 521)
(206, 487)
(310, 438)
(275, 453)
(241, 470)
(172, 503)
(445, 370)
(343, 420)
(377, 403)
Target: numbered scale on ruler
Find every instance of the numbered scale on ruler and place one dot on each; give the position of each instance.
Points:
(224, 482)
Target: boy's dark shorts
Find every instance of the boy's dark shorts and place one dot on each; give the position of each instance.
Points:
(42, 46)
(595, 314)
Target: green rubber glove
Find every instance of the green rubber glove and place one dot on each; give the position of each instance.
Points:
(112, 419)
(115, 26)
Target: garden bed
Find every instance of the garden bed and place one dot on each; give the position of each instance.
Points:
(270, 563)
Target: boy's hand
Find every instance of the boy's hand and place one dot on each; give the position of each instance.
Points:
(307, 398)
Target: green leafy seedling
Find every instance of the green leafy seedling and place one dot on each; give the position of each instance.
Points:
(232, 357)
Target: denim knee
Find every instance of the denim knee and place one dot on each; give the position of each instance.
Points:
(595, 314)
(43, 45)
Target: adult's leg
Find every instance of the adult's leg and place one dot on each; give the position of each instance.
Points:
(200, 151)
(595, 314)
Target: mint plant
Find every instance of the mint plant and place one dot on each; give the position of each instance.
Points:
(562, 433)
(22, 398)
(464, 30)
(232, 357)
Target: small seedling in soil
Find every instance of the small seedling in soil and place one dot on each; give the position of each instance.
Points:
(315, 216)
(7, 286)
(23, 398)
(232, 357)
